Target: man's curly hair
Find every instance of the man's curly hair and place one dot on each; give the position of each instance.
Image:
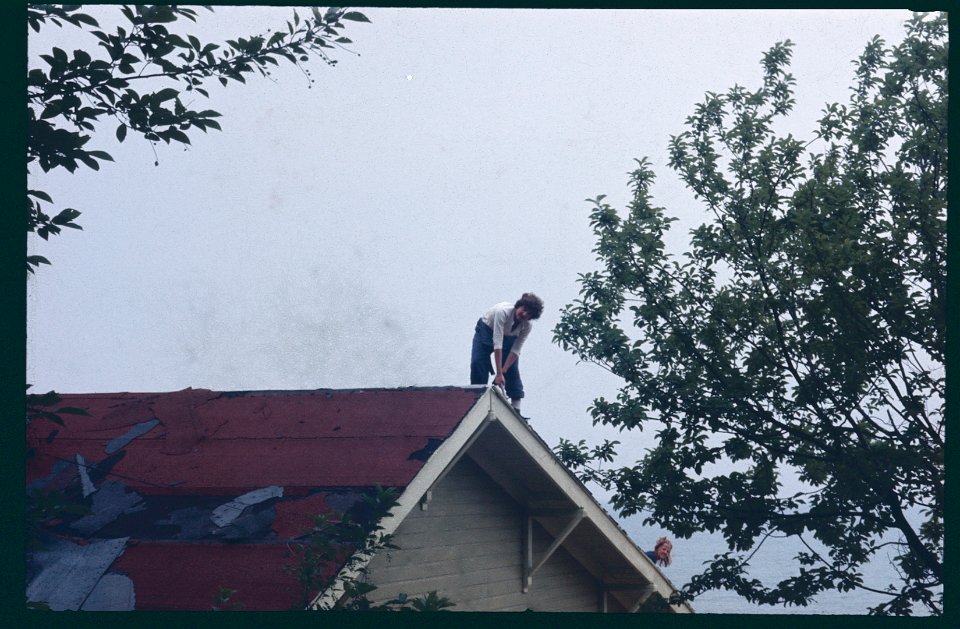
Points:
(532, 304)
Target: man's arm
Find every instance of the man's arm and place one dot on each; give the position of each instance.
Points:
(511, 358)
(498, 363)
(499, 323)
(524, 333)
(503, 366)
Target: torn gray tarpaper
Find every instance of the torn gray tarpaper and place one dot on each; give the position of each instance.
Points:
(194, 522)
(139, 430)
(248, 526)
(109, 502)
(85, 483)
(69, 572)
(113, 593)
(228, 512)
(41, 483)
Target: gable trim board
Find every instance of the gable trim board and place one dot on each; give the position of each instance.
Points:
(639, 581)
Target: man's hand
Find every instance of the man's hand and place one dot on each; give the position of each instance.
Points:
(498, 380)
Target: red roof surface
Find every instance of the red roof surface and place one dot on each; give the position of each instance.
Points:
(202, 448)
(230, 443)
(190, 577)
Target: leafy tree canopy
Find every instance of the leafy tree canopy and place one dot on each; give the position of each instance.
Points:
(133, 79)
(801, 334)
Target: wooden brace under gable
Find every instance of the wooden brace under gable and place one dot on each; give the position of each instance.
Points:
(642, 593)
(529, 568)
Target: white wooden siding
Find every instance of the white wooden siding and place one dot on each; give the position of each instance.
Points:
(468, 546)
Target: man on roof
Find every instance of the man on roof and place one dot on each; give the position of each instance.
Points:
(501, 331)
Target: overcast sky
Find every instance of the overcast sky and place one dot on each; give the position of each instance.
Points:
(349, 234)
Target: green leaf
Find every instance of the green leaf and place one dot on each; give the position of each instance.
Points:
(165, 94)
(52, 417)
(81, 57)
(73, 410)
(86, 19)
(65, 216)
(40, 194)
(36, 78)
(54, 109)
(89, 161)
(178, 41)
(356, 16)
(180, 136)
(101, 155)
(44, 399)
(121, 132)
